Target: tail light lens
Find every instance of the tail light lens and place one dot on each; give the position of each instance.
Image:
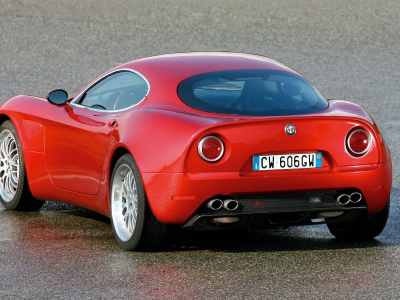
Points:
(358, 142)
(211, 148)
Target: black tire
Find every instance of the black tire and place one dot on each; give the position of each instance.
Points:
(19, 197)
(365, 228)
(148, 234)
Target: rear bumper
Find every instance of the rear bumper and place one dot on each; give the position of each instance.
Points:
(174, 197)
(275, 219)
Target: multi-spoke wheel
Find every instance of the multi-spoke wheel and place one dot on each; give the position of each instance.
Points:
(134, 225)
(14, 189)
(124, 202)
(9, 165)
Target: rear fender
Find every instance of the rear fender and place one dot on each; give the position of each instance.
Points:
(160, 139)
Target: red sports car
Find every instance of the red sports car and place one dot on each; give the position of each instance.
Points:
(201, 141)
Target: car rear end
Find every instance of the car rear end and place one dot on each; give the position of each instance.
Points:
(285, 156)
(313, 173)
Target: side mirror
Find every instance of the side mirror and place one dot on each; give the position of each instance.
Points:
(57, 97)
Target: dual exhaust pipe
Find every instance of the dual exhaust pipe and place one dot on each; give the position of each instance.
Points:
(217, 204)
(230, 204)
(344, 199)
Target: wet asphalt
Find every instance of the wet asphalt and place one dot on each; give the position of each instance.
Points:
(349, 50)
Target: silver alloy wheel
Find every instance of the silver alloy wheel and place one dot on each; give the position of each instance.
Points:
(124, 202)
(9, 165)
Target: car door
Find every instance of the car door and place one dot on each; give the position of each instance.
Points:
(78, 135)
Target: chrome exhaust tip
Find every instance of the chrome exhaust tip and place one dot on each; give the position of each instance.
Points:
(355, 197)
(215, 204)
(231, 204)
(343, 199)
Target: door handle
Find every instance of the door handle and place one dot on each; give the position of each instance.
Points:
(113, 123)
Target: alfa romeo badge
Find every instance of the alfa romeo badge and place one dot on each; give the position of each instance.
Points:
(290, 129)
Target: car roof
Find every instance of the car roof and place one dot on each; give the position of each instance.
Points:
(183, 65)
(165, 72)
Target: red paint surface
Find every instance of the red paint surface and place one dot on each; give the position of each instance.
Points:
(68, 158)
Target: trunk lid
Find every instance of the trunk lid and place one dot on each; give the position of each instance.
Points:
(245, 138)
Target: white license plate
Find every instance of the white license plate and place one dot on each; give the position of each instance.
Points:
(287, 161)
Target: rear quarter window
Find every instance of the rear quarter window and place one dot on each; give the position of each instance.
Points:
(251, 93)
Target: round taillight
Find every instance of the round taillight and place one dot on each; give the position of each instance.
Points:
(211, 148)
(358, 141)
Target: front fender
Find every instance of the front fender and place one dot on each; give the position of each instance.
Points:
(26, 114)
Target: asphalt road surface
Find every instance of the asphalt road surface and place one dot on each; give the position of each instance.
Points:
(348, 49)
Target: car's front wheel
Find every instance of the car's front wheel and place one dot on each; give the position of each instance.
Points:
(14, 189)
(134, 225)
(365, 228)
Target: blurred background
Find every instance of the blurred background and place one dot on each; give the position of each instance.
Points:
(348, 49)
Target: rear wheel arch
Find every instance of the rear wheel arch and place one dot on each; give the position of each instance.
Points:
(145, 232)
(118, 152)
(116, 155)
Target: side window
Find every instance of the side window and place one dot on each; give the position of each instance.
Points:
(117, 91)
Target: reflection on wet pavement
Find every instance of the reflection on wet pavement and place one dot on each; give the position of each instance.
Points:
(67, 252)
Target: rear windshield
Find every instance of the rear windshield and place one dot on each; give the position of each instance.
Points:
(251, 93)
